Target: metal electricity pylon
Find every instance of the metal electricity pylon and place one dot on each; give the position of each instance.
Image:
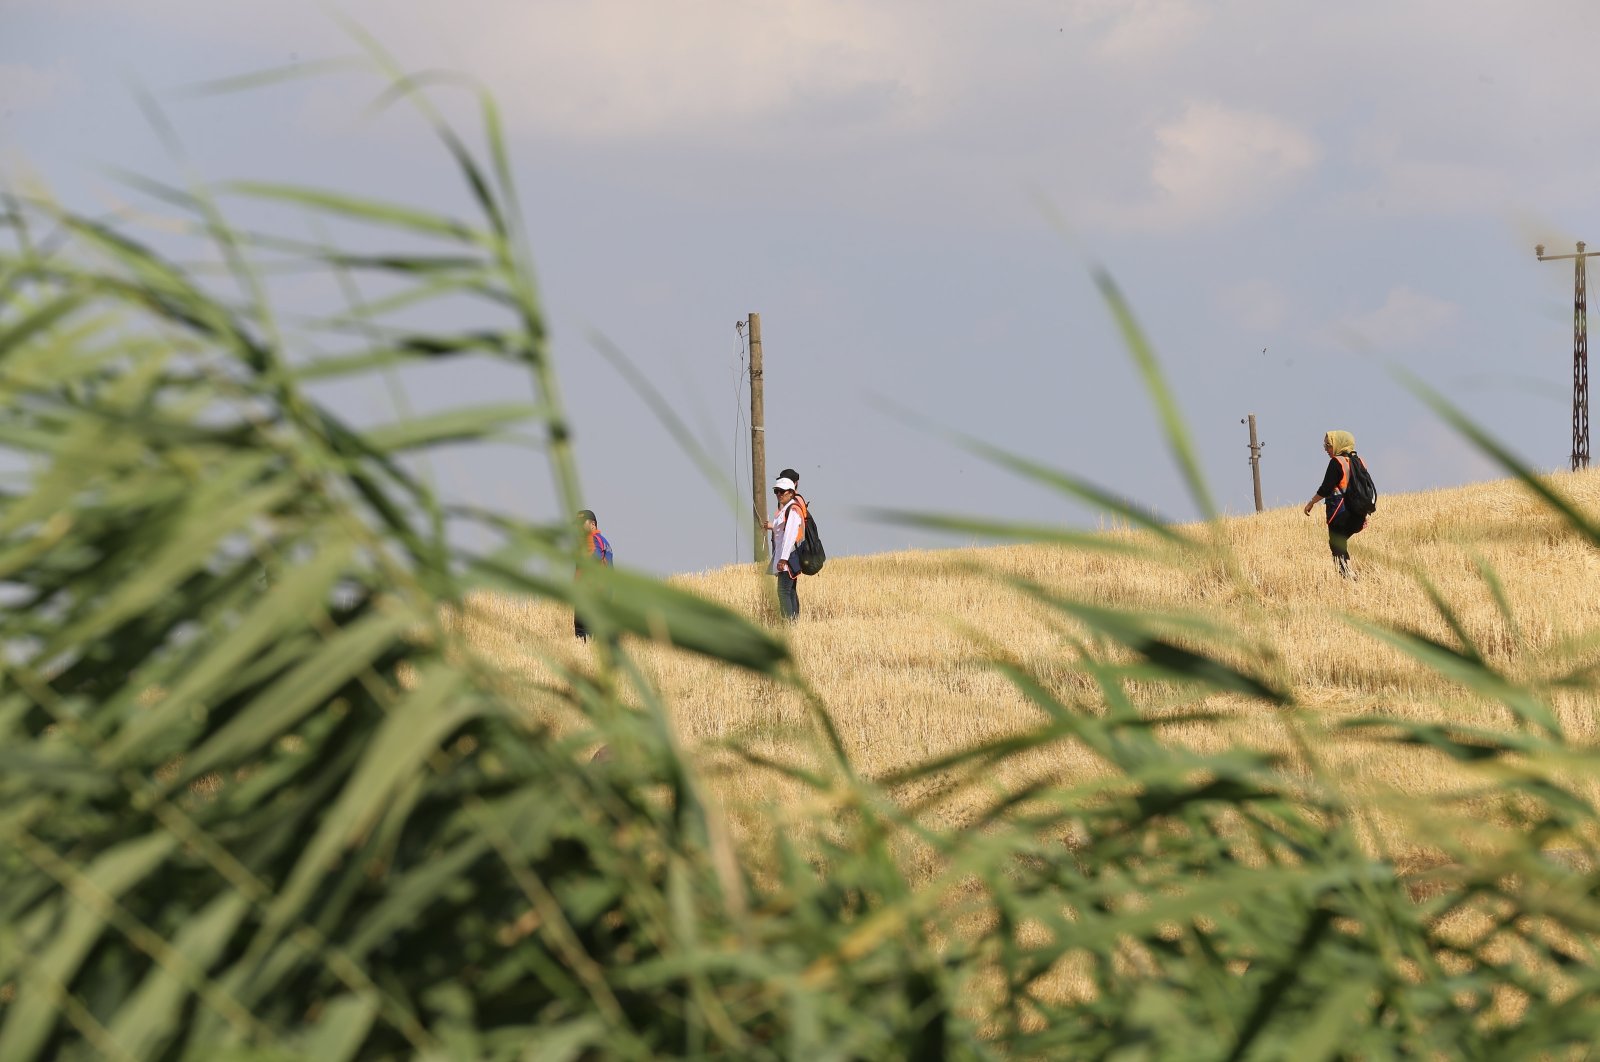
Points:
(1580, 352)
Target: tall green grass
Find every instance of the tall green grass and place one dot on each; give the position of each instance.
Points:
(259, 800)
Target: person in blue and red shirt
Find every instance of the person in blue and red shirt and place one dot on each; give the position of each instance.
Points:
(596, 547)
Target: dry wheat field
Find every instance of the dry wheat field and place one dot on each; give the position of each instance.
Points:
(899, 647)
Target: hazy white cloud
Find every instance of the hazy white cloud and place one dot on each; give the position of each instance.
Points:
(960, 86)
(621, 68)
(630, 69)
(1257, 305)
(1406, 318)
(1214, 162)
(26, 88)
(1141, 29)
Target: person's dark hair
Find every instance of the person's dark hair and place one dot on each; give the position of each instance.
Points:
(790, 473)
(587, 514)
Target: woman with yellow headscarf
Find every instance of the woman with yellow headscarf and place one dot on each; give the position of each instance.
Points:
(1340, 447)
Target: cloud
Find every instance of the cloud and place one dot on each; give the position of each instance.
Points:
(1406, 318)
(1141, 29)
(620, 68)
(30, 88)
(1134, 114)
(1214, 162)
(1257, 305)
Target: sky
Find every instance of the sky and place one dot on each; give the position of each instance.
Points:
(1296, 199)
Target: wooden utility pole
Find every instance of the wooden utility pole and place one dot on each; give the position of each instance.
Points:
(1580, 351)
(1255, 459)
(758, 441)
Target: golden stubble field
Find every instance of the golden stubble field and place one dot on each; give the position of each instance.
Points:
(898, 646)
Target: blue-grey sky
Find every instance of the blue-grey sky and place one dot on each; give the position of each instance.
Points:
(911, 193)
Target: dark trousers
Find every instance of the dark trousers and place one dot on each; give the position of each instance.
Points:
(788, 589)
(1340, 528)
(580, 629)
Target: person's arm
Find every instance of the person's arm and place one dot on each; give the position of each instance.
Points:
(1330, 483)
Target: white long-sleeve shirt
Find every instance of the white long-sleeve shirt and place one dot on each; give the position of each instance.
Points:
(788, 527)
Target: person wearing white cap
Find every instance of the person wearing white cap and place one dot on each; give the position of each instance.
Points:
(787, 528)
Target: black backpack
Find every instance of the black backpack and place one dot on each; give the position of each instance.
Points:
(812, 555)
(1360, 495)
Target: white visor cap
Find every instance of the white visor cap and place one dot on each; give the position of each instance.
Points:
(784, 483)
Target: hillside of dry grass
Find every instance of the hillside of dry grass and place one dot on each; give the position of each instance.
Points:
(899, 646)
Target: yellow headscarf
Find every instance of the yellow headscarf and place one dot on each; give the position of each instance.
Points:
(1341, 441)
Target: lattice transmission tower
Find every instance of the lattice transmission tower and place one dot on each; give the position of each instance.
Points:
(1580, 351)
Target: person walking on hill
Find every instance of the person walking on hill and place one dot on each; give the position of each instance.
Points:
(1340, 447)
(597, 547)
(787, 528)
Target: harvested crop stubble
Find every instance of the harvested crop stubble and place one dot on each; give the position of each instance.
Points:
(891, 643)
